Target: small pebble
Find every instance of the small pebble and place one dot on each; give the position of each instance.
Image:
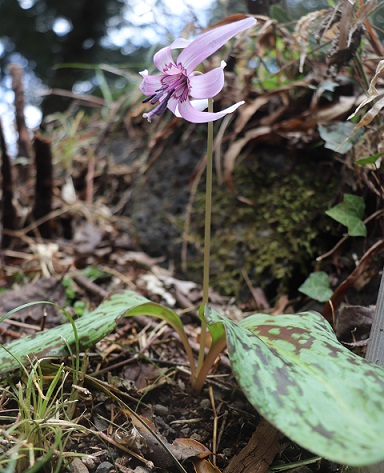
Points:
(105, 467)
(196, 437)
(161, 410)
(205, 403)
(77, 466)
(89, 462)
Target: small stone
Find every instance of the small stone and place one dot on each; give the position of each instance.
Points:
(205, 403)
(196, 437)
(89, 462)
(161, 410)
(105, 467)
(77, 466)
(227, 452)
(185, 432)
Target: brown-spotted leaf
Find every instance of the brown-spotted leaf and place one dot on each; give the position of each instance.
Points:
(305, 383)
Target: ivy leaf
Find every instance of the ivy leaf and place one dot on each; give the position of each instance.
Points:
(304, 382)
(317, 286)
(350, 213)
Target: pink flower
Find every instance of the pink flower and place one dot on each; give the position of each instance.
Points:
(178, 81)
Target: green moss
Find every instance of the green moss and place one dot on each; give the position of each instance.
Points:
(276, 239)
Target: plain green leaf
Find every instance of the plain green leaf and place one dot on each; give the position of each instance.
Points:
(304, 382)
(350, 213)
(369, 160)
(91, 328)
(317, 287)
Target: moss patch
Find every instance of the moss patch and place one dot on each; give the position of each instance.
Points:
(274, 240)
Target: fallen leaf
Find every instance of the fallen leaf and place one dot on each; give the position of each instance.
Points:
(354, 323)
(372, 91)
(184, 449)
(258, 454)
(204, 466)
(44, 289)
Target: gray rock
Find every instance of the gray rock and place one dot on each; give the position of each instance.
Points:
(105, 467)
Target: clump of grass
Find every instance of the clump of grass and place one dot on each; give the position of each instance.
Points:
(39, 419)
(38, 414)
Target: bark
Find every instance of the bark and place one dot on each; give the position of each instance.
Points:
(44, 183)
(8, 211)
(23, 141)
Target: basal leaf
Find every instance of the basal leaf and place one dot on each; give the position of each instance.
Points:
(350, 213)
(317, 286)
(302, 380)
(90, 328)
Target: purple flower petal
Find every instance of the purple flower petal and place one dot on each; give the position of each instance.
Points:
(197, 104)
(163, 60)
(190, 113)
(208, 84)
(180, 43)
(150, 84)
(209, 42)
(201, 104)
(173, 106)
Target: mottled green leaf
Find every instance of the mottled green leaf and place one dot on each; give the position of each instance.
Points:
(302, 380)
(336, 134)
(350, 213)
(90, 328)
(317, 286)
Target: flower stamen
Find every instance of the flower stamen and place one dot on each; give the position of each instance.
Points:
(177, 86)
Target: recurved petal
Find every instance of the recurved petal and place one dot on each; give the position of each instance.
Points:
(191, 114)
(207, 85)
(150, 84)
(180, 43)
(197, 104)
(164, 62)
(209, 42)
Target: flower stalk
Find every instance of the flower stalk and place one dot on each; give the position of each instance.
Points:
(207, 233)
(187, 93)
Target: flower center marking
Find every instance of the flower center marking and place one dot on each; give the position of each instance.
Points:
(176, 86)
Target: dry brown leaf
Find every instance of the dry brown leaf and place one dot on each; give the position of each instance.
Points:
(234, 150)
(246, 112)
(354, 323)
(181, 448)
(370, 115)
(330, 113)
(359, 272)
(87, 238)
(44, 289)
(184, 449)
(258, 454)
(204, 466)
(301, 34)
(372, 91)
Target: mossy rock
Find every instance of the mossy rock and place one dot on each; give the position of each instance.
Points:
(274, 241)
(275, 237)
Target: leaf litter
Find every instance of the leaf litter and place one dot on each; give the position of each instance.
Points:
(140, 366)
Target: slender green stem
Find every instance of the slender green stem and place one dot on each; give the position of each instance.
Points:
(207, 233)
